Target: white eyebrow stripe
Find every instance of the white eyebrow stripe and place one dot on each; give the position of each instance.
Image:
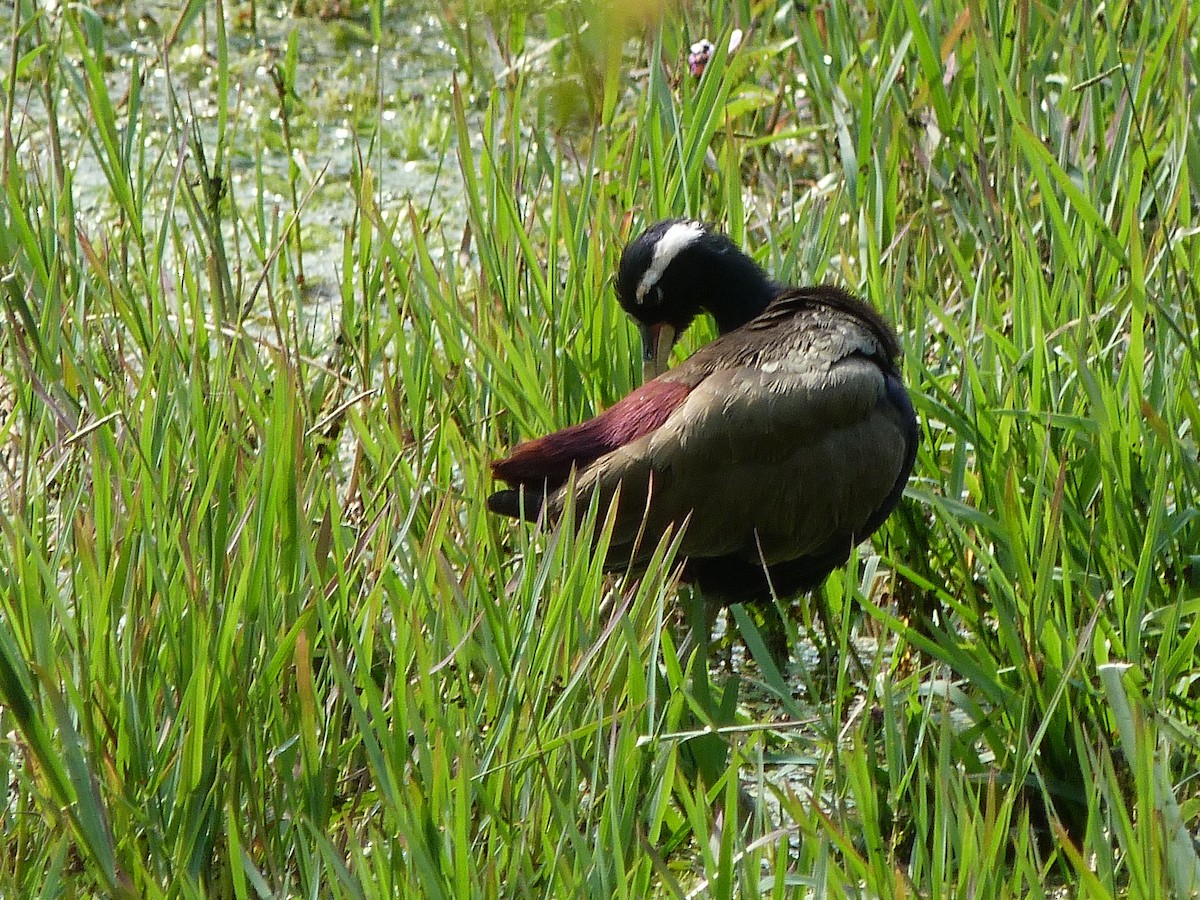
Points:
(674, 239)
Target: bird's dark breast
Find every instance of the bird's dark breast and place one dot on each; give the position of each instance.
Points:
(899, 407)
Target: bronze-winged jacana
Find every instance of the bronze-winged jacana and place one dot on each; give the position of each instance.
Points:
(782, 444)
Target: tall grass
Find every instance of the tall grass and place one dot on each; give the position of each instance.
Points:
(258, 634)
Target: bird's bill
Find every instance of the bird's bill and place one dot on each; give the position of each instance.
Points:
(657, 343)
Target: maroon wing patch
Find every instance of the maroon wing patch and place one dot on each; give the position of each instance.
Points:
(547, 461)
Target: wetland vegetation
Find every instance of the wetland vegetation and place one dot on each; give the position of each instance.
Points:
(277, 283)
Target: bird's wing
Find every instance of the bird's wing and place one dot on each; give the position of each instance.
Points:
(770, 461)
(546, 462)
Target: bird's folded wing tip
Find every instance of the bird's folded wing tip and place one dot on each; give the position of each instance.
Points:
(510, 503)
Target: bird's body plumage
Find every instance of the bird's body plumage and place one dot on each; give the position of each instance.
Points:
(777, 447)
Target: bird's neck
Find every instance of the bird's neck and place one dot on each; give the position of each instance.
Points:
(734, 304)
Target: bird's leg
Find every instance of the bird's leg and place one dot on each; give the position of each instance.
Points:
(775, 634)
(704, 757)
(710, 753)
(829, 633)
(809, 621)
(699, 617)
(828, 653)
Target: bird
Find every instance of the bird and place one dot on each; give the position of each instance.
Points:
(776, 448)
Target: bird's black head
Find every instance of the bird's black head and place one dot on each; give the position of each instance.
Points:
(678, 267)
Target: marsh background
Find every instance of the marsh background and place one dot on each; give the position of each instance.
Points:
(277, 282)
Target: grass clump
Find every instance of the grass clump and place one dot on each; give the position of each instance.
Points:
(259, 636)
